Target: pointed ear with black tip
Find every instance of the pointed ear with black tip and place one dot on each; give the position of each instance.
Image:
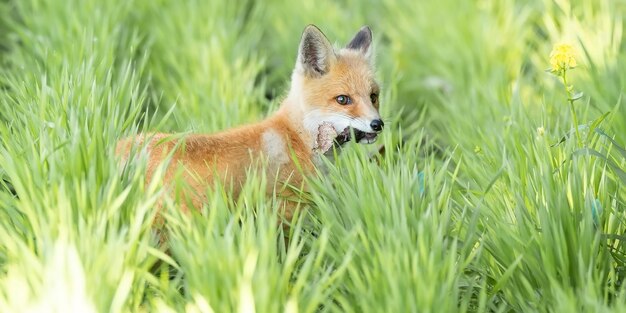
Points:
(362, 41)
(315, 54)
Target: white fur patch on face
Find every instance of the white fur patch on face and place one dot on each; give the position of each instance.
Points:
(313, 119)
(274, 147)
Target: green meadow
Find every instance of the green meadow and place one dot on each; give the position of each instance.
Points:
(501, 186)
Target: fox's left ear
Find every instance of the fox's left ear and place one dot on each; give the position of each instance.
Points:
(315, 54)
(362, 41)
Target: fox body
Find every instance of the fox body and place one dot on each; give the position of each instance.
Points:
(328, 87)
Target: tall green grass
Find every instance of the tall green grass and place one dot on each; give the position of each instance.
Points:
(479, 202)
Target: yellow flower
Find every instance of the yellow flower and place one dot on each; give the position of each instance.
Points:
(562, 57)
(540, 131)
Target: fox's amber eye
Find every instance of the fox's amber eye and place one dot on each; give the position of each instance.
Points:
(374, 98)
(343, 99)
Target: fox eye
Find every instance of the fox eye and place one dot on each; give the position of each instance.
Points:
(374, 98)
(343, 99)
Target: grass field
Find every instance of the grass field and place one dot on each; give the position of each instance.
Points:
(499, 188)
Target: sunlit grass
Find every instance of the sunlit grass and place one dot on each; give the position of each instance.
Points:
(482, 200)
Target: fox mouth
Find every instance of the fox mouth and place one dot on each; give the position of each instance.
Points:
(359, 135)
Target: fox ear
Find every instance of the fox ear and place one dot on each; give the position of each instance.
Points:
(315, 54)
(362, 41)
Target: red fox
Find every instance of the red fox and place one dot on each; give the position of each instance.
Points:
(333, 96)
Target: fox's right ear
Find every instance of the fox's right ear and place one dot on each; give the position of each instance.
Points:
(315, 54)
(362, 41)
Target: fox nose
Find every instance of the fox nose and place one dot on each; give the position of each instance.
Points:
(377, 125)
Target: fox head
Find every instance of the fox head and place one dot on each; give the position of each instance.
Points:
(337, 86)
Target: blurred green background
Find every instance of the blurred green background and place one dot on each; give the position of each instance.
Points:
(483, 199)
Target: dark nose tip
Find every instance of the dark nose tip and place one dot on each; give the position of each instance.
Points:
(377, 125)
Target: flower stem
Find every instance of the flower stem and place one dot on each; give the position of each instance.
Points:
(571, 106)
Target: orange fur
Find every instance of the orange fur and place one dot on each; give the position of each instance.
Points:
(321, 75)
